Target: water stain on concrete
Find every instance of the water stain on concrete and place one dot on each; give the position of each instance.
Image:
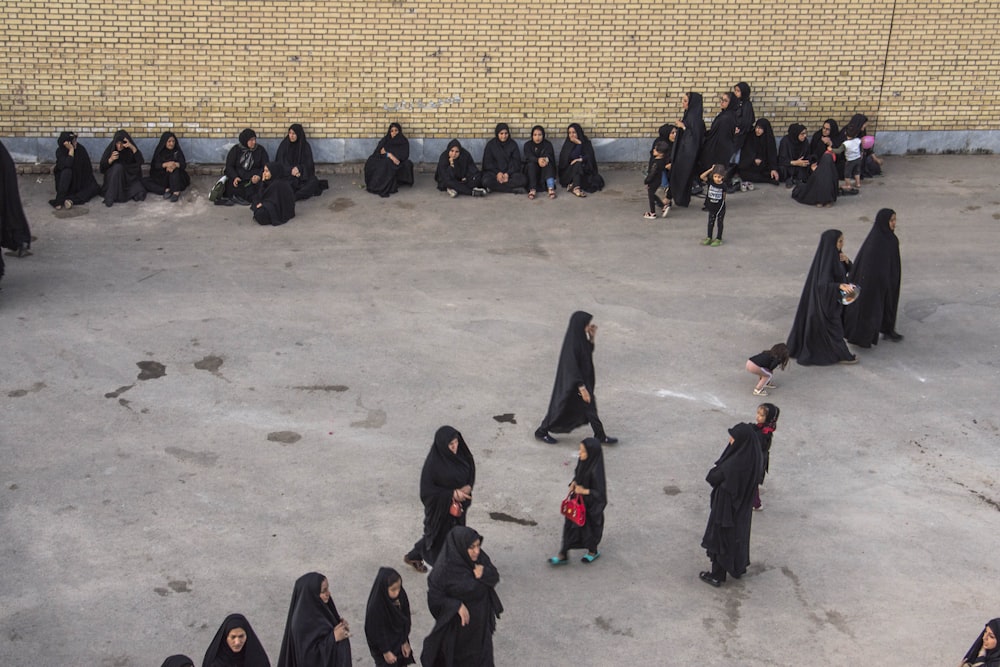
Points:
(920, 309)
(671, 490)
(341, 204)
(375, 418)
(188, 456)
(118, 392)
(505, 418)
(150, 370)
(180, 585)
(162, 592)
(34, 388)
(972, 208)
(125, 404)
(503, 516)
(284, 437)
(322, 387)
(210, 363)
(529, 250)
(288, 265)
(607, 625)
(74, 212)
(66, 509)
(996, 216)
(405, 205)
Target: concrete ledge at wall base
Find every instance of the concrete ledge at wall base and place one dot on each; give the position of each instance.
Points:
(349, 153)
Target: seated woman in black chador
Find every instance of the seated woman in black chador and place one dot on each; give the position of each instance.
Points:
(589, 482)
(244, 168)
(759, 155)
(985, 651)
(75, 182)
(168, 169)
(826, 137)
(274, 203)
(457, 173)
(387, 620)
(877, 270)
(315, 633)
(540, 163)
(503, 169)
(817, 335)
(820, 189)
(296, 156)
(734, 480)
(389, 164)
(462, 598)
(14, 231)
(793, 156)
(121, 165)
(578, 170)
(235, 645)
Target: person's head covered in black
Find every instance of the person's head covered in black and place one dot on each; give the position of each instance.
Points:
(449, 464)
(178, 661)
(985, 651)
(589, 474)
(387, 617)
(235, 645)
(877, 270)
(309, 630)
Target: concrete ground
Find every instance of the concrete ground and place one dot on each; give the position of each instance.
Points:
(197, 410)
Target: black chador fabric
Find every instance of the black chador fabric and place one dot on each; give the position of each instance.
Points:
(160, 179)
(817, 146)
(991, 658)
(220, 655)
(308, 640)
(298, 155)
(387, 621)
(817, 335)
(567, 410)
(244, 163)
(462, 176)
(14, 231)
(821, 187)
(590, 475)
(276, 198)
(533, 152)
(74, 173)
(760, 148)
(720, 140)
(745, 116)
(452, 584)
(734, 481)
(503, 157)
(791, 149)
(382, 175)
(686, 150)
(443, 472)
(123, 177)
(178, 661)
(584, 174)
(877, 270)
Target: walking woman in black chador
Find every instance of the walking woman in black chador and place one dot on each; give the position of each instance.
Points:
(315, 634)
(296, 156)
(446, 483)
(734, 480)
(235, 645)
(14, 231)
(121, 165)
(389, 164)
(462, 598)
(817, 335)
(589, 482)
(578, 170)
(984, 651)
(168, 169)
(686, 149)
(75, 182)
(573, 402)
(387, 620)
(877, 270)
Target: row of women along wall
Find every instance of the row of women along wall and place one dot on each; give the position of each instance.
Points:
(924, 72)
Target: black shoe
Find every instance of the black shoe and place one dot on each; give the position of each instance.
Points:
(606, 440)
(175, 197)
(709, 579)
(893, 336)
(545, 437)
(240, 201)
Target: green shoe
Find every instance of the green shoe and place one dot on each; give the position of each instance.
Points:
(716, 243)
(706, 241)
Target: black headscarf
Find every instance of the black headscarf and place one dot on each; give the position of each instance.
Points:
(177, 660)
(822, 185)
(720, 140)
(766, 431)
(132, 162)
(575, 369)
(82, 180)
(992, 658)
(686, 151)
(308, 638)
(745, 116)
(398, 145)
(590, 174)
(589, 474)
(14, 230)
(877, 270)
(817, 335)
(246, 158)
(544, 148)
(817, 147)
(296, 153)
(220, 655)
(387, 621)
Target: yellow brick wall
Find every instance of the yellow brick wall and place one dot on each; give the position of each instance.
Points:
(208, 68)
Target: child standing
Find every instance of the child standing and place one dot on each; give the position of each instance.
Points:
(715, 202)
(852, 154)
(767, 422)
(654, 176)
(764, 364)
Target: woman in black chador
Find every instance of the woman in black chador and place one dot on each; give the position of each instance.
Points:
(446, 483)
(793, 156)
(75, 182)
(759, 155)
(720, 140)
(236, 645)
(540, 163)
(984, 651)
(820, 189)
(457, 172)
(734, 480)
(244, 168)
(168, 169)
(691, 131)
(502, 164)
(387, 620)
(274, 203)
(578, 170)
(121, 165)
(462, 598)
(389, 165)
(589, 482)
(296, 156)
(817, 335)
(573, 403)
(877, 270)
(315, 634)
(14, 231)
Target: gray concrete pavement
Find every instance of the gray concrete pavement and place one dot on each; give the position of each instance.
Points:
(305, 369)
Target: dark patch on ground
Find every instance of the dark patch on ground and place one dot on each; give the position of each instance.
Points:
(408, 206)
(322, 387)
(210, 363)
(606, 625)
(503, 516)
(118, 392)
(341, 204)
(671, 490)
(284, 437)
(972, 208)
(18, 393)
(180, 585)
(74, 212)
(201, 458)
(150, 370)
(124, 403)
(505, 418)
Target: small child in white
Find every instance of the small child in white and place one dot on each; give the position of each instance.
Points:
(764, 364)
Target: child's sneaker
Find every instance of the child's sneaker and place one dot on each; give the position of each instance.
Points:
(770, 385)
(716, 243)
(706, 241)
(649, 215)
(759, 392)
(452, 192)
(666, 209)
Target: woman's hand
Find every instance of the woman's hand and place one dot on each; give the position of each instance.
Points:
(579, 159)
(462, 494)
(113, 157)
(295, 172)
(477, 570)
(407, 651)
(341, 631)
(255, 179)
(585, 395)
(463, 613)
(846, 289)
(543, 161)
(389, 657)
(680, 124)
(393, 158)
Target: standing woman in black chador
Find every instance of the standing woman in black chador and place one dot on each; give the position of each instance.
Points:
(274, 203)
(446, 483)
(244, 168)
(315, 634)
(387, 620)
(984, 651)
(462, 598)
(759, 155)
(168, 169)
(236, 645)
(817, 335)
(877, 270)
(573, 402)
(589, 482)
(820, 188)
(296, 156)
(389, 164)
(734, 480)
(578, 170)
(121, 165)
(14, 231)
(503, 169)
(745, 116)
(75, 182)
(691, 129)
(540, 163)
(720, 140)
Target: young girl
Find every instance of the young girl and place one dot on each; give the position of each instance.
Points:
(767, 422)
(654, 176)
(715, 202)
(387, 620)
(764, 365)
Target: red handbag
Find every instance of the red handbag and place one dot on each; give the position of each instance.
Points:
(455, 509)
(573, 509)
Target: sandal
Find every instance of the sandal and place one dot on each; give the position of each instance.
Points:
(759, 392)
(590, 558)
(417, 565)
(649, 215)
(556, 560)
(552, 193)
(578, 192)
(531, 194)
